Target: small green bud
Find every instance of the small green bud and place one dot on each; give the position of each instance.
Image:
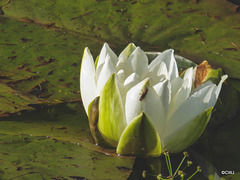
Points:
(189, 163)
(144, 173)
(180, 172)
(199, 169)
(165, 151)
(159, 176)
(185, 153)
(182, 175)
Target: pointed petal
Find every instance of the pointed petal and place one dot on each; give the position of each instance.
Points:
(184, 92)
(133, 104)
(168, 58)
(163, 89)
(123, 57)
(157, 73)
(162, 71)
(216, 92)
(154, 107)
(107, 70)
(176, 85)
(111, 113)
(187, 134)
(205, 84)
(131, 81)
(87, 81)
(155, 62)
(121, 76)
(127, 52)
(223, 78)
(192, 107)
(138, 61)
(105, 52)
(140, 138)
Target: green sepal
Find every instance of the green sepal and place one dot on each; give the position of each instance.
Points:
(111, 113)
(186, 135)
(140, 138)
(93, 111)
(183, 73)
(214, 75)
(125, 54)
(96, 62)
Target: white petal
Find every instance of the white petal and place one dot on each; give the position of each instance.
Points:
(223, 78)
(162, 70)
(131, 81)
(216, 92)
(122, 64)
(176, 84)
(127, 52)
(205, 84)
(133, 104)
(163, 90)
(107, 70)
(138, 61)
(87, 79)
(192, 107)
(157, 72)
(143, 97)
(106, 50)
(168, 58)
(121, 76)
(154, 108)
(123, 57)
(155, 62)
(184, 92)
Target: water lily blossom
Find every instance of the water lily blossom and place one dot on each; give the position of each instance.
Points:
(141, 107)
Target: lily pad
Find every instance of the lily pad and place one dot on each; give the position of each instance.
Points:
(13, 101)
(41, 62)
(56, 143)
(199, 30)
(36, 157)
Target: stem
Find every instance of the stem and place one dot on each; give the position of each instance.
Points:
(170, 166)
(193, 174)
(179, 165)
(167, 162)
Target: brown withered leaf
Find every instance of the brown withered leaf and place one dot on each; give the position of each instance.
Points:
(203, 70)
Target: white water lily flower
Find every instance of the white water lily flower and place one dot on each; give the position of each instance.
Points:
(144, 108)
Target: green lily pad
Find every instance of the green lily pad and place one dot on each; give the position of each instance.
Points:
(13, 101)
(36, 157)
(200, 30)
(41, 62)
(55, 142)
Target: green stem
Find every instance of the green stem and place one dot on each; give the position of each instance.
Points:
(179, 166)
(167, 162)
(193, 174)
(170, 166)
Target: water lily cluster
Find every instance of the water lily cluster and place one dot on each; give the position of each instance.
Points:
(141, 107)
